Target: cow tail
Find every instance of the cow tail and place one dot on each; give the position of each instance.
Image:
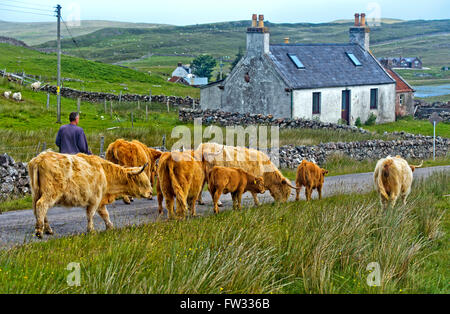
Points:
(383, 173)
(34, 182)
(176, 185)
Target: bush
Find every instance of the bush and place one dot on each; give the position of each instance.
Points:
(371, 120)
(358, 122)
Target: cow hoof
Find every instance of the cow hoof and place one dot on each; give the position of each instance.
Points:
(39, 235)
(127, 202)
(49, 232)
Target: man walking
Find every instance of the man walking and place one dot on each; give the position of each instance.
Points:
(71, 138)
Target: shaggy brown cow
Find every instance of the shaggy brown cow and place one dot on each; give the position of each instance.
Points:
(81, 181)
(311, 177)
(393, 177)
(235, 181)
(180, 176)
(252, 161)
(133, 154)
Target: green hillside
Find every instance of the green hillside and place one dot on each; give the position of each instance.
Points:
(38, 33)
(93, 76)
(427, 38)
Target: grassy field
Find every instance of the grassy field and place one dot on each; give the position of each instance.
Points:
(410, 125)
(433, 76)
(95, 76)
(316, 247)
(442, 98)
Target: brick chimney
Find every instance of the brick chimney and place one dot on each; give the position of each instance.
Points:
(360, 32)
(257, 37)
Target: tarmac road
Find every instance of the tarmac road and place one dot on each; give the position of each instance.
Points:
(17, 227)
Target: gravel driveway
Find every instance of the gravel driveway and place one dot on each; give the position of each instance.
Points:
(17, 227)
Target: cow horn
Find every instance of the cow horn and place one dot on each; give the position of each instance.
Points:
(138, 172)
(290, 185)
(419, 166)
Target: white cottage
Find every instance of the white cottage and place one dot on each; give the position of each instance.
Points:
(329, 82)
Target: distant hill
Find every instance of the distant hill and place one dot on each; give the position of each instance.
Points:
(38, 33)
(424, 38)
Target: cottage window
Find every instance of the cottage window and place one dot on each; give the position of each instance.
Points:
(402, 99)
(316, 103)
(296, 61)
(374, 98)
(354, 59)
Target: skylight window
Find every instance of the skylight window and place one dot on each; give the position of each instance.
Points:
(296, 61)
(354, 59)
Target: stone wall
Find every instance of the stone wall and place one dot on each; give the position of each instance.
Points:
(14, 179)
(100, 97)
(424, 110)
(411, 147)
(228, 119)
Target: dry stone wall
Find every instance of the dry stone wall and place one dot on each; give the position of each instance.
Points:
(100, 97)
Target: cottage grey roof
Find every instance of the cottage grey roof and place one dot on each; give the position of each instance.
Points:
(327, 65)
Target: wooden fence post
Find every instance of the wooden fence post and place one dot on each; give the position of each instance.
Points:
(132, 124)
(120, 98)
(78, 105)
(48, 101)
(110, 108)
(105, 105)
(168, 105)
(44, 146)
(139, 105)
(102, 144)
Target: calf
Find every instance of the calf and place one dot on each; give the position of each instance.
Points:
(393, 177)
(311, 177)
(81, 181)
(235, 181)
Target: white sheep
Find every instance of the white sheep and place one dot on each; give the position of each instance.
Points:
(17, 96)
(7, 94)
(35, 86)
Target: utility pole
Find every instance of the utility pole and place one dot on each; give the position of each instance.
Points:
(58, 87)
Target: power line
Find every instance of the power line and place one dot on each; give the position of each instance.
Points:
(27, 3)
(2, 9)
(20, 7)
(73, 39)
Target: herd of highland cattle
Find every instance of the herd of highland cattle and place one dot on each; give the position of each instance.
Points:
(131, 169)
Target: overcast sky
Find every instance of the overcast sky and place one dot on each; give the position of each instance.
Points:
(187, 12)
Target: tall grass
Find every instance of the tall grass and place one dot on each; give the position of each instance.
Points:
(316, 247)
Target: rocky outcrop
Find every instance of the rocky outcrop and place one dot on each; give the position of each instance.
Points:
(100, 97)
(14, 181)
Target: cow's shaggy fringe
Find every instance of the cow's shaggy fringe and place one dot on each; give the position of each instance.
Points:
(315, 247)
